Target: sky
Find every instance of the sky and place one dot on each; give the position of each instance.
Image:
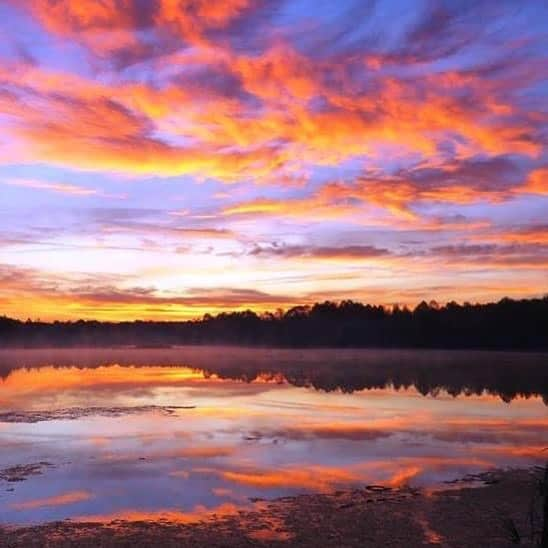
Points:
(160, 159)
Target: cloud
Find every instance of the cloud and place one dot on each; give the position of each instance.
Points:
(319, 252)
(252, 114)
(67, 120)
(80, 294)
(534, 234)
(15, 278)
(522, 255)
(425, 133)
(62, 188)
(537, 182)
(112, 27)
(172, 231)
(104, 296)
(210, 297)
(457, 182)
(363, 200)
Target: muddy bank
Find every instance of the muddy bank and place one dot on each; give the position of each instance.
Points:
(459, 516)
(21, 472)
(75, 413)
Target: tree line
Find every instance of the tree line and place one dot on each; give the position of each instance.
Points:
(506, 324)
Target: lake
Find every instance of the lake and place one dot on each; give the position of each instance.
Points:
(181, 433)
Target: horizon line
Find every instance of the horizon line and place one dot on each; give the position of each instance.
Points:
(279, 312)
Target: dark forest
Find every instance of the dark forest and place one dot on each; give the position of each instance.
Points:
(507, 324)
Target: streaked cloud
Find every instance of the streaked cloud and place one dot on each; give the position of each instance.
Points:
(343, 253)
(62, 188)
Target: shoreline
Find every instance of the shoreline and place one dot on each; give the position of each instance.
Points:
(7, 347)
(459, 516)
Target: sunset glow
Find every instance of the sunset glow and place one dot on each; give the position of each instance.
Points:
(171, 158)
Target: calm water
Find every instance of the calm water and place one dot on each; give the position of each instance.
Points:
(229, 425)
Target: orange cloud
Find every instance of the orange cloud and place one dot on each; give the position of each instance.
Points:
(537, 182)
(314, 207)
(350, 202)
(190, 18)
(68, 16)
(136, 154)
(533, 234)
(280, 74)
(132, 127)
(111, 24)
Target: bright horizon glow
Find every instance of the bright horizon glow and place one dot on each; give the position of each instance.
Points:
(167, 159)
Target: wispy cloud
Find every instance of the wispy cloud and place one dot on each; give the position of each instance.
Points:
(62, 188)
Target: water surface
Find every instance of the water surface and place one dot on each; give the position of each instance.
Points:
(180, 433)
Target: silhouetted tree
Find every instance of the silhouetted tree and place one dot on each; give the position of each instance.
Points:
(508, 324)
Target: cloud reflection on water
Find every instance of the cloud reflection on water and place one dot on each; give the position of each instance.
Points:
(265, 433)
